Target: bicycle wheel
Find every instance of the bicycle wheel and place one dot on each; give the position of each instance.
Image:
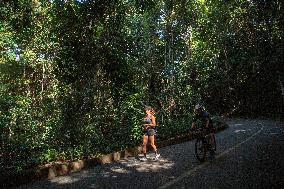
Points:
(200, 150)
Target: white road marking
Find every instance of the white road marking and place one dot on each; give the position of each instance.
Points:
(188, 173)
(239, 124)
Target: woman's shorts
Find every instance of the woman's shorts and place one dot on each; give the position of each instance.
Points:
(150, 132)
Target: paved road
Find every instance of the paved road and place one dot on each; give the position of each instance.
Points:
(249, 155)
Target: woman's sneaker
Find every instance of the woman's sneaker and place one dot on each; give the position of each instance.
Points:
(157, 157)
(143, 159)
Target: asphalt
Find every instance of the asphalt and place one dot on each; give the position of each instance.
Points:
(249, 155)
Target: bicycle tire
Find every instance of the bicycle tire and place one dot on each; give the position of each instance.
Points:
(200, 150)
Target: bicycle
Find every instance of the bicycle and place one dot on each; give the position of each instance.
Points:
(202, 145)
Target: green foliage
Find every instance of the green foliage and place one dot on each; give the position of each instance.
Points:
(75, 76)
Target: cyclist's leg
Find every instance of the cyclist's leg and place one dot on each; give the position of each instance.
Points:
(212, 138)
(209, 135)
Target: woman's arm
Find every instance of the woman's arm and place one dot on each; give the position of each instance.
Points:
(153, 121)
(153, 124)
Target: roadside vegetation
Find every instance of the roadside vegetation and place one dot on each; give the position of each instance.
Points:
(76, 75)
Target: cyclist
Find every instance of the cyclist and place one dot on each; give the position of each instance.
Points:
(203, 117)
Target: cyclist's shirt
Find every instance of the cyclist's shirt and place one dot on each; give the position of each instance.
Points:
(202, 119)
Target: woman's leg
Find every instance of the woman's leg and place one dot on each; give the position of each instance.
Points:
(145, 140)
(152, 142)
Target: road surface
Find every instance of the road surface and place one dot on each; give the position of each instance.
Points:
(249, 155)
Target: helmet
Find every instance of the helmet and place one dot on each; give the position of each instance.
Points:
(198, 107)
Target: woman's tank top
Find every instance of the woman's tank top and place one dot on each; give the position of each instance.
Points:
(147, 120)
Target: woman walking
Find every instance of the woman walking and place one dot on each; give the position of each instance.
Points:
(149, 131)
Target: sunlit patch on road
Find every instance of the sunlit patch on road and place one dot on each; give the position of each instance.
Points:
(154, 166)
(148, 166)
(106, 174)
(240, 130)
(119, 170)
(64, 180)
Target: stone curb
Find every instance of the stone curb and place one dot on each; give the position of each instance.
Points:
(10, 179)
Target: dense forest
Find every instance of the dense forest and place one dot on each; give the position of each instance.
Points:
(75, 75)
